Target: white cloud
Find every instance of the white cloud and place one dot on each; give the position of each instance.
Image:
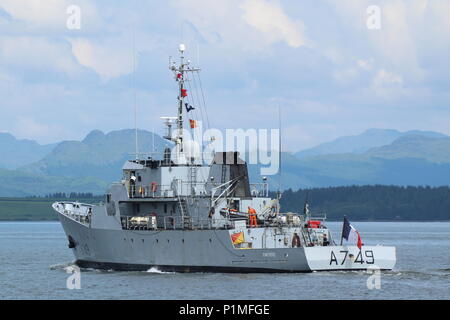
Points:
(109, 59)
(47, 14)
(345, 76)
(42, 13)
(389, 85)
(26, 127)
(251, 25)
(37, 53)
(365, 64)
(270, 19)
(385, 78)
(409, 29)
(350, 77)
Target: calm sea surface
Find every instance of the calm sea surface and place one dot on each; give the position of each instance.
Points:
(34, 259)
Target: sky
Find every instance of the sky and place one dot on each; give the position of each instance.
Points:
(322, 62)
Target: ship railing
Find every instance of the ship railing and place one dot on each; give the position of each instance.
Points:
(183, 188)
(166, 223)
(187, 188)
(204, 158)
(317, 216)
(80, 212)
(152, 191)
(186, 222)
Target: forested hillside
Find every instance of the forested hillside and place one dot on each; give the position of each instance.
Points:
(373, 202)
(359, 203)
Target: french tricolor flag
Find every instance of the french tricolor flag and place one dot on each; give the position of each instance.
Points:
(350, 234)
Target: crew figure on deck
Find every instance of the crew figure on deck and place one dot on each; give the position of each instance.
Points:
(252, 217)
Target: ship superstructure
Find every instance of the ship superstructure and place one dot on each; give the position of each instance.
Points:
(177, 213)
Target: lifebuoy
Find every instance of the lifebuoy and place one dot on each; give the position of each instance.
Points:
(154, 186)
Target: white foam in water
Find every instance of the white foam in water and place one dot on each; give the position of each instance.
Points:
(60, 266)
(156, 270)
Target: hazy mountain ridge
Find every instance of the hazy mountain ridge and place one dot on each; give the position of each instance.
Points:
(19, 152)
(435, 150)
(363, 142)
(91, 164)
(408, 160)
(15, 183)
(99, 155)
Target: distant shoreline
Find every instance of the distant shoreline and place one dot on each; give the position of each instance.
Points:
(359, 203)
(356, 221)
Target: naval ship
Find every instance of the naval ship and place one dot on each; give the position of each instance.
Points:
(179, 214)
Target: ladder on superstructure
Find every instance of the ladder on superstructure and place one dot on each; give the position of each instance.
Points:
(182, 203)
(185, 218)
(192, 178)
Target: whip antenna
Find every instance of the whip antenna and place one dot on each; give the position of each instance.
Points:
(279, 159)
(134, 94)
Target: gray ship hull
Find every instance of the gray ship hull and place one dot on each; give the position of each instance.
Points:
(177, 213)
(175, 250)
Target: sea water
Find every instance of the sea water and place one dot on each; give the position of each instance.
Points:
(35, 263)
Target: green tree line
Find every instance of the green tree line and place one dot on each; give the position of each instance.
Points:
(371, 203)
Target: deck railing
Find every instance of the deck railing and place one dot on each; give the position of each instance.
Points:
(169, 223)
(186, 188)
(80, 212)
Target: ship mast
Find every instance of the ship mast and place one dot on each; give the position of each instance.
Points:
(180, 72)
(180, 79)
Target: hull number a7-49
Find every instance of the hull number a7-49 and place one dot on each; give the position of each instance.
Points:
(343, 256)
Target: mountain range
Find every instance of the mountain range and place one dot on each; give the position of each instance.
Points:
(16, 153)
(99, 155)
(363, 142)
(376, 156)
